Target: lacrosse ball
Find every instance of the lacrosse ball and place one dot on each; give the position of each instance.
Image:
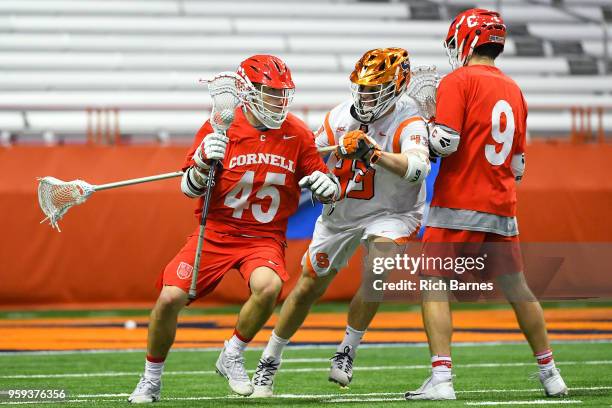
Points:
(130, 324)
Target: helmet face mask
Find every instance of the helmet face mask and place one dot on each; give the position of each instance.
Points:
(269, 105)
(371, 102)
(269, 89)
(453, 53)
(471, 29)
(380, 78)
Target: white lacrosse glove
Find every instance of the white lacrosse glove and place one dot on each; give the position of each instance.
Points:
(212, 148)
(325, 187)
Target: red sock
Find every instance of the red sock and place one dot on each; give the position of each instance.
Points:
(241, 337)
(238, 343)
(152, 359)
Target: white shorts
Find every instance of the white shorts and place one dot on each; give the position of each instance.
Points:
(331, 248)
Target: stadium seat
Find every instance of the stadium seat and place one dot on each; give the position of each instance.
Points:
(87, 42)
(345, 11)
(116, 24)
(137, 52)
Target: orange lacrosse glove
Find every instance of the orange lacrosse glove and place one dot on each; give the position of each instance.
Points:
(357, 145)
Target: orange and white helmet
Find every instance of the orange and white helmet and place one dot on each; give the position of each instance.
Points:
(380, 78)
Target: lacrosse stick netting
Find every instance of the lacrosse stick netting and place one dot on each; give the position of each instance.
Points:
(227, 90)
(55, 196)
(422, 88)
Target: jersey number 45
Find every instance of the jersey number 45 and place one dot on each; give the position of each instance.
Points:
(238, 197)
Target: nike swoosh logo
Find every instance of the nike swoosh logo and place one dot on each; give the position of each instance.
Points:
(285, 137)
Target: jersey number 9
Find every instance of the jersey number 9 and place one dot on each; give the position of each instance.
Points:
(504, 137)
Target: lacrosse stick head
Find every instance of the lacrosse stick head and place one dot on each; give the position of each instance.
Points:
(225, 89)
(378, 81)
(269, 89)
(55, 197)
(423, 87)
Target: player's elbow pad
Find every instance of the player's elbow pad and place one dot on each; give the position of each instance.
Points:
(518, 166)
(190, 186)
(418, 167)
(443, 140)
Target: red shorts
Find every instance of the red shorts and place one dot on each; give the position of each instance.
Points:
(499, 255)
(220, 253)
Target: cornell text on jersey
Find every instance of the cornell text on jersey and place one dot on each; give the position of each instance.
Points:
(262, 158)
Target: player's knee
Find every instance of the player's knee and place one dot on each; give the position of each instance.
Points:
(309, 289)
(170, 299)
(269, 293)
(266, 285)
(515, 287)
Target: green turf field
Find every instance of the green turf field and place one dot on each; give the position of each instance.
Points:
(484, 374)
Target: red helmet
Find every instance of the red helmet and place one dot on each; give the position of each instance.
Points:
(470, 29)
(270, 99)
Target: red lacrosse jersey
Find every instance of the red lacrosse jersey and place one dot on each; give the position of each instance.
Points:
(489, 111)
(257, 189)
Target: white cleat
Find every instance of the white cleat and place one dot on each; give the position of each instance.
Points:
(263, 379)
(429, 391)
(146, 392)
(553, 384)
(231, 366)
(341, 371)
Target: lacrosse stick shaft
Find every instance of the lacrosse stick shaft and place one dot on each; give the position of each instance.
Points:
(327, 149)
(137, 181)
(196, 263)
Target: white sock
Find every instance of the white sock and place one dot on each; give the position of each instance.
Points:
(235, 345)
(545, 360)
(275, 347)
(352, 338)
(153, 371)
(441, 368)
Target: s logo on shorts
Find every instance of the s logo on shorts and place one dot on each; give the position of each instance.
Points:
(184, 270)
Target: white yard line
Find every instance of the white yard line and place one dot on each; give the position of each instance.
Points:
(348, 394)
(294, 347)
(534, 402)
(336, 400)
(41, 402)
(305, 360)
(298, 370)
(100, 395)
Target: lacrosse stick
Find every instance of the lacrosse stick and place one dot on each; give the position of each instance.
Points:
(327, 149)
(422, 88)
(55, 196)
(225, 89)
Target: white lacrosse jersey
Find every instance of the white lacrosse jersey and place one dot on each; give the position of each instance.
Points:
(370, 193)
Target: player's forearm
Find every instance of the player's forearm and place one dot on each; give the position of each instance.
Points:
(193, 183)
(396, 163)
(413, 165)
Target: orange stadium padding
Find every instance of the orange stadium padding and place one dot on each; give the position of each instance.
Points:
(112, 248)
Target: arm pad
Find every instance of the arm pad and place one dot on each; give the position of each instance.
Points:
(418, 166)
(190, 186)
(518, 166)
(443, 140)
